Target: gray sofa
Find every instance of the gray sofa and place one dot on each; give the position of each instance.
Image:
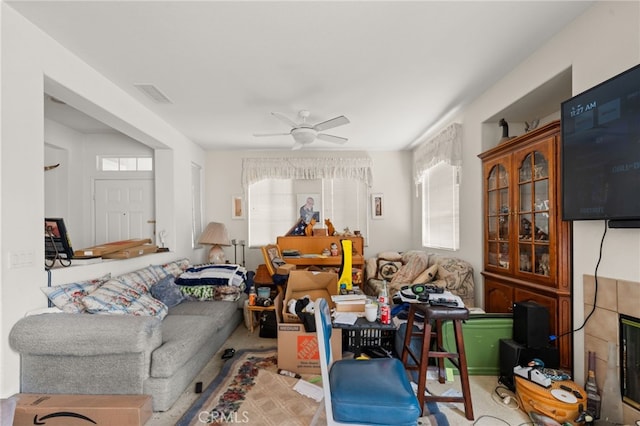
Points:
(83, 353)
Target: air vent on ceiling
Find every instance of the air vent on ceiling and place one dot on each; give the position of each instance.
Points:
(154, 93)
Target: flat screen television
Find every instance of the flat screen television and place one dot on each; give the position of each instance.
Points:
(601, 152)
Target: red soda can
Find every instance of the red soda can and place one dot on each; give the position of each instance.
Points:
(385, 314)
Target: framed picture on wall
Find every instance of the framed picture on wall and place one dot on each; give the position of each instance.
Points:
(237, 207)
(309, 206)
(377, 206)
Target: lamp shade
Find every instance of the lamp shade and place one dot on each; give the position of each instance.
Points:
(216, 235)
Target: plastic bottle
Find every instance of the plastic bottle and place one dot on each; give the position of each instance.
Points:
(591, 387)
(289, 373)
(252, 296)
(383, 297)
(611, 412)
(383, 303)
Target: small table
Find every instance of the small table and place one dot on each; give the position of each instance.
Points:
(364, 333)
(259, 309)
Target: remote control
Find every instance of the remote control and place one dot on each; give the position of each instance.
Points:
(442, 301)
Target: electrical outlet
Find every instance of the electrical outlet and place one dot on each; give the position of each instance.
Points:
(21, 258)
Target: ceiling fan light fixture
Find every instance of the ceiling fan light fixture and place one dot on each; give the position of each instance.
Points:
(304, 135)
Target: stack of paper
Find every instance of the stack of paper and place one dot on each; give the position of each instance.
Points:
(348, 318)
(309, 390)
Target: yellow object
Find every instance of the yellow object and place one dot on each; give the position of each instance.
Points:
(345, 278)
(534, 397)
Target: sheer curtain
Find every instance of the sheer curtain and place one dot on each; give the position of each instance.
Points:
(257, 169)
(437, 164)
(274, 186)
(445, 147)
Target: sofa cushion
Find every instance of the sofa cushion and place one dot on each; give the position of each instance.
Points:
(211, 308)
(79, 335)
(183, 335)
(142, 279)
(456, 275)
(167, 291)
(427, 275)
(174, 268)
(414, 263)
(120, 298)
(68, 297)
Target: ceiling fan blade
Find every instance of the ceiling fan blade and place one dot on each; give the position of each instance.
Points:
(331, 138)
(330, 124)
(285, 119)
(271, 134)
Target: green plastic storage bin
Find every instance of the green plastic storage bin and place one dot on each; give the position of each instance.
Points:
(482, 334)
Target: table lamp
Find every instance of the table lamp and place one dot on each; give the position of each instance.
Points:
(215, 234)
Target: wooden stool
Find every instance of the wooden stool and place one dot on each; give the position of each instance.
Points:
(434, 316)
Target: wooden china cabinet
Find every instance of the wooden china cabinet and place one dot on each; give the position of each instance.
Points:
(527, 246)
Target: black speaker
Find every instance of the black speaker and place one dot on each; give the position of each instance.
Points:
(513, 353)
(531, 324)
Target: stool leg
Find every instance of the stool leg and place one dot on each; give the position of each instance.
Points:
(424, 363)
(442, 373)
(407, 337)
(464, 373)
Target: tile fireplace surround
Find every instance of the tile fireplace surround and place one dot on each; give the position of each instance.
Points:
(614, 297)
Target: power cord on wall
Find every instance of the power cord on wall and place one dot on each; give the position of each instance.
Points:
(595, 290)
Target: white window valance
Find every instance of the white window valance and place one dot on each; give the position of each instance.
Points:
(446, 147)
(257, 169)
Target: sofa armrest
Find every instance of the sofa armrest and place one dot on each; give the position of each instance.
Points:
(85, 334)
(456, 275)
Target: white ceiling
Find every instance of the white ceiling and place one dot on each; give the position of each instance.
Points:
(395, 69)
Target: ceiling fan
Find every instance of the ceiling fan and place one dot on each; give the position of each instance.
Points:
(304, 133)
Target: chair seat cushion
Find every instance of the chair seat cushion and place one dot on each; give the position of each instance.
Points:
(375, 391)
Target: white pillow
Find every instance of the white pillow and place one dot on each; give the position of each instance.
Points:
(68, 297)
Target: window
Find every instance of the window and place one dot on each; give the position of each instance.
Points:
(273, 205)
(440, 207)
(125, 164)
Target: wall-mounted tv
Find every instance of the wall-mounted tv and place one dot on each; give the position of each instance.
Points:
(601, 151)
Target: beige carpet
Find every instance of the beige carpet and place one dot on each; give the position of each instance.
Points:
(488, 410)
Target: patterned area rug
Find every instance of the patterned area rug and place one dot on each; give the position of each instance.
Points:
(249, 390)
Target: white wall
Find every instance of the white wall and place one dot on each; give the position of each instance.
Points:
(30, 61)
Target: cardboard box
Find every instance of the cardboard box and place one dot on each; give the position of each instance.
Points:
(132, 252)
(298, 350)
(107, 248)
(351, 306)
(308, 283)
(285, 269)
(71, 410)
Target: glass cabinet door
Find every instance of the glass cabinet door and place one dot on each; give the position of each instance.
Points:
(533, 215)
(498, 210)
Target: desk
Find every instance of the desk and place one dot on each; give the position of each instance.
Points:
(315, 244)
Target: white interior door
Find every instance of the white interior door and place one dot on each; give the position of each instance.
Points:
(124, 209)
